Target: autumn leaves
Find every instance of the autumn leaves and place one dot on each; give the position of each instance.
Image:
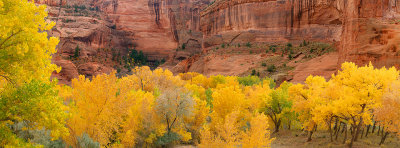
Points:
(117, 112)
(154, 108)
(351, 97)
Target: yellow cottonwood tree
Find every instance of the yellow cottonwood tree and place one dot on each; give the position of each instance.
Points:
(362, 89)
(258, 134)
(228, 134)
(140, 117)
(306, 98)
(388, 115)
(26, 92)
(98, 108)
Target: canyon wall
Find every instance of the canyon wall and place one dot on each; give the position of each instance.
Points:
(104, 29)
(182, 31)
(271, 21)
(365, 30)
(371, 32)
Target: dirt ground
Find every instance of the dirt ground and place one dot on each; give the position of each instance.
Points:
(297, 139)
(320, 139)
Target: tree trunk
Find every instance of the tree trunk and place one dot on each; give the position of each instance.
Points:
(330, 132)
(373, 127)
(362, 133)
(383, 129)
(277, 125)
(345, 125)
(384, 138)
(310, 135)
(357, 129)
(336, 125)
(366, 133)
(337, 131)
(330, 128)
(345, 133)
(379, 129)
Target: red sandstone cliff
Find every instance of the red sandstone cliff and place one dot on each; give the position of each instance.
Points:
(105, 28)
(371, 32)
(361, 30)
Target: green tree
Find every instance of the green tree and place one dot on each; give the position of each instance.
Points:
(278, 106)
(77, 51)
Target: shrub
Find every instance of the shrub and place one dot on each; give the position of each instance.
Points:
(77, 50)
(290, 57)
(253, 72)
(183, 46)
(86, 141)
(248, 44)
(68, 20)
(271, 68)
(249, 80)
(264, 64)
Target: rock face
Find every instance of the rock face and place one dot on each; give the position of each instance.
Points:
(371, 32)
(362, 30)
(147, 23)
(94, 33)
(271, 21)
(184, 31)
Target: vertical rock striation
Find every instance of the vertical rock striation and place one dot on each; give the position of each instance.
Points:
(271, 21)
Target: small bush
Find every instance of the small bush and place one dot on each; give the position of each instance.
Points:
(68, 20)
(77, 51)
(271, 68)
(183, 46)
(264, 64)
(223, 46)
(167, 138)
(253, 72)
(248, 44)
(86, 141)
(290, 57)
(249, 80)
